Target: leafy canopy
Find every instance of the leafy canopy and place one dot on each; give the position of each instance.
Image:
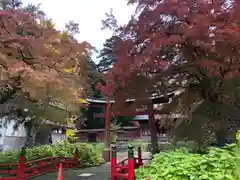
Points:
(35, 57)
(181, 44)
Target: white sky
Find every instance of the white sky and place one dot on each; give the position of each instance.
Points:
(88, 13)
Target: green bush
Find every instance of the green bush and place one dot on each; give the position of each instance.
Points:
(88, 155)
(142, 144)
(216, 164)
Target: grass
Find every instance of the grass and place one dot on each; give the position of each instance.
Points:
(142, 144)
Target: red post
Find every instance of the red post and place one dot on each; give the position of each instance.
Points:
(76, 158)
(140, 160)
(20, 173)
(60, 172)
(114, 164)
(131, 162)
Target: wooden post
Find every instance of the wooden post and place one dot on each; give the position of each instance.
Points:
(76, 158)
(20, 173)
(152, 128)
(114, 164)
(106, 153)
(131, 163)
(140, 160)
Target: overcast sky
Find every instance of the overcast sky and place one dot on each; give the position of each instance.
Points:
(88, 13)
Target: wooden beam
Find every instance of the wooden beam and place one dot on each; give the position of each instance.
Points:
(114, 114)
(155, 99)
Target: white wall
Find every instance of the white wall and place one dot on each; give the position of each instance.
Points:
(58, 136)
(19, 132)
(11, 138)
(2, 132)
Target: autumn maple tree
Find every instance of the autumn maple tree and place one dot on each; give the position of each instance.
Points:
(38, 62)
(185, 45)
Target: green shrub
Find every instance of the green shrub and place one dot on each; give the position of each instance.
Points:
(88, 155)
(217, 164)
(142, 144)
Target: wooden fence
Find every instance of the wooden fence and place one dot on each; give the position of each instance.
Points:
(26, 170)
(126, 168)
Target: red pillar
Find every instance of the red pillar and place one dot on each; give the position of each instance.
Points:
(152, 127)
(20, 173)
(131, 163)
(76, 158)
(106, 153)
(114, 164)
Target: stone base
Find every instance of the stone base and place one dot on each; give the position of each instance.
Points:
(107, 155)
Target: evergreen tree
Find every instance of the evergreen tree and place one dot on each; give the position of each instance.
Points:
(108, 54)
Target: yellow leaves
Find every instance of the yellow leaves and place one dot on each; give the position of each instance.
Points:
(83, 101)
(64, 35)
(71, 132)
(48, 24)
(71, 66)
(56, 51)
(70, 70)
(49, 46)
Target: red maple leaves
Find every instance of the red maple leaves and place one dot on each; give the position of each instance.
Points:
(177, 38)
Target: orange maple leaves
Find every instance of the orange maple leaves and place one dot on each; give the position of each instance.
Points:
(37, 55)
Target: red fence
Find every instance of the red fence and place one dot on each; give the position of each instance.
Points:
(125, 168)
(26, 170)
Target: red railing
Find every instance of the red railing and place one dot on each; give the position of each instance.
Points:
(125, 168)
(26, 170)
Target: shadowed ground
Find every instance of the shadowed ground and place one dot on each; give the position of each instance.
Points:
(95, 173)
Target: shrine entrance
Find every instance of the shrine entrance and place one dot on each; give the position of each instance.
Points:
(148, 109)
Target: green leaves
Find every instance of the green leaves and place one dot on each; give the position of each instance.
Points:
(88, 155)
(217, 164)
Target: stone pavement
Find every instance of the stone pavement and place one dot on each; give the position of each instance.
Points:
(94, 173)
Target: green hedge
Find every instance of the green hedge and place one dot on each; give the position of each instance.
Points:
(88, 155)
(216, 164)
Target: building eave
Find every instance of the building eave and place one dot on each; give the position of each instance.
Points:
(104, 101)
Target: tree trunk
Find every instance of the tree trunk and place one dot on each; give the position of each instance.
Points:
(153, 129)
(221, 137)
(107, 125)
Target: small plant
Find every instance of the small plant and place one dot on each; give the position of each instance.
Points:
(115, 127)
(71, 135)
(217, 164)
(238, 138)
